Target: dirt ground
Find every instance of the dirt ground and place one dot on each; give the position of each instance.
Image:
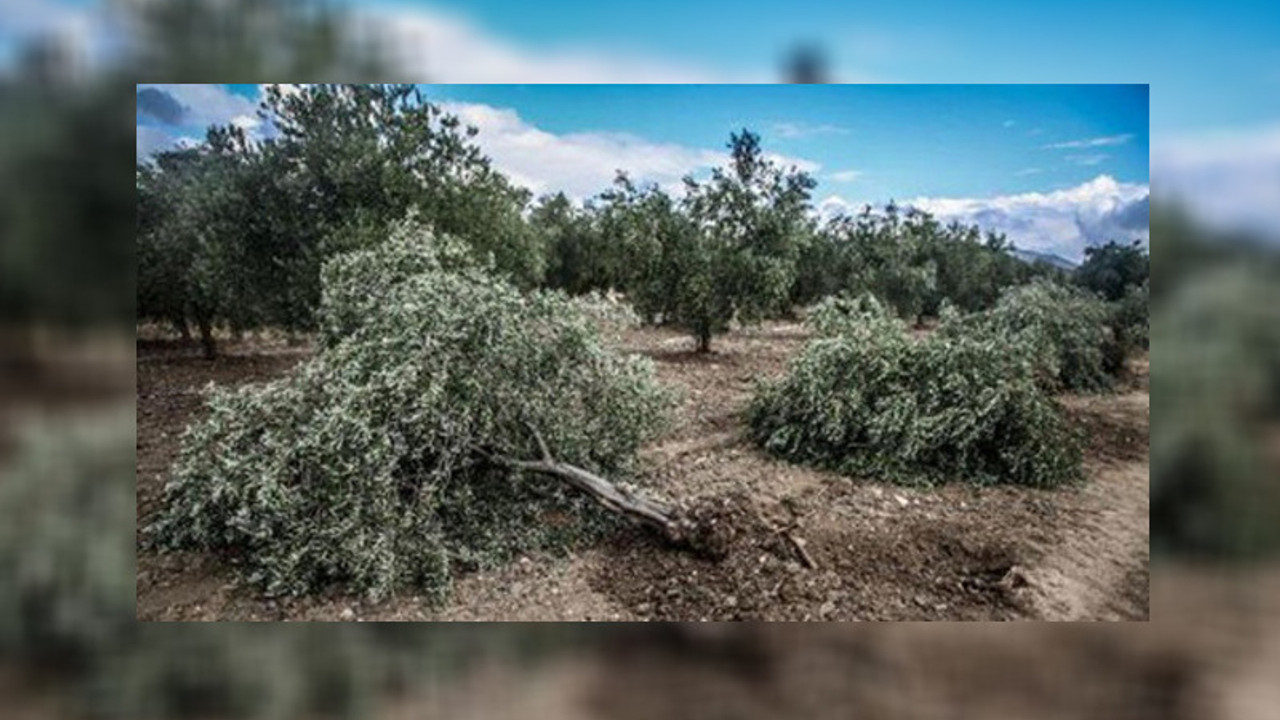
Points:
(803, 544)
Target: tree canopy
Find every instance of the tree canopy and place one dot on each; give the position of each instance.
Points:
(1110, 270)
(235, 231)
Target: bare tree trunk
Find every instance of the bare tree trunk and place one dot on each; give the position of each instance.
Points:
(184, 330)
(647, 511)
(664, 518)
(685, 528)
(704, 341)
(207, 343)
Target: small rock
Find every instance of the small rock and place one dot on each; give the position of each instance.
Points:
(731, 601)
(348, 614)
(901, 500)
(827, 608)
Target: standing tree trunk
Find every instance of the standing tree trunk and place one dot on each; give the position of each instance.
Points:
(180, 325)
(207, 343)
(704, 339)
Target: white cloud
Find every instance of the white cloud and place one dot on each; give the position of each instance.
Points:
(246, 122)
(1063, 222)
(833, 205)
(1228, 178)
(212, 105)
(1088, 160)
(1009, 123)
(433, 46)
(582, 164)
(1097, 142)
(1028, 171)
(845, 176)
(802, 129)
(203, 105)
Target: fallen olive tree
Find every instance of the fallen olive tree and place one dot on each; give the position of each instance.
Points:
(867, 399)
(448, 421)
(1067, 332)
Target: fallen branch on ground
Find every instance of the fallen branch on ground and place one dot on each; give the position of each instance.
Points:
(668, 519)
(798, 544)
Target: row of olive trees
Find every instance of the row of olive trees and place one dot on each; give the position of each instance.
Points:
(746, 244)
(233, 231)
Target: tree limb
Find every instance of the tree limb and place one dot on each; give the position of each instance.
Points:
(661, 516)
(648, 511)
(798, 544)
(542, 444)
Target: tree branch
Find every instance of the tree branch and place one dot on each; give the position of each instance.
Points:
(542, 444)
(647, 511)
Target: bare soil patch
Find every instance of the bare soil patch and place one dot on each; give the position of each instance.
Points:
(879, 552)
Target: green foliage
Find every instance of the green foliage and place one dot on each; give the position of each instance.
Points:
(579, 259)
(236, 231)
(867, 399)
(910, 260)
(843, 315)
(1065, 332)
(726, 252)
(1121, 275)
(1110, 270)
(731, 253)
(380, 150)
(652, 248)
(373, 465)
(194, 257)
(1130, 317)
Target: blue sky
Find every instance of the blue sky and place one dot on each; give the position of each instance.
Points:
(875, 142)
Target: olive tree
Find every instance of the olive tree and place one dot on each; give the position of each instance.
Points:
(340, 163)
(737, 259)
(1110, 270)
(867, 399)
(446, 423)
(194, 256)
(1069, 334)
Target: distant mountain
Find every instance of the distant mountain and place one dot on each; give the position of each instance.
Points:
(1031, 256)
